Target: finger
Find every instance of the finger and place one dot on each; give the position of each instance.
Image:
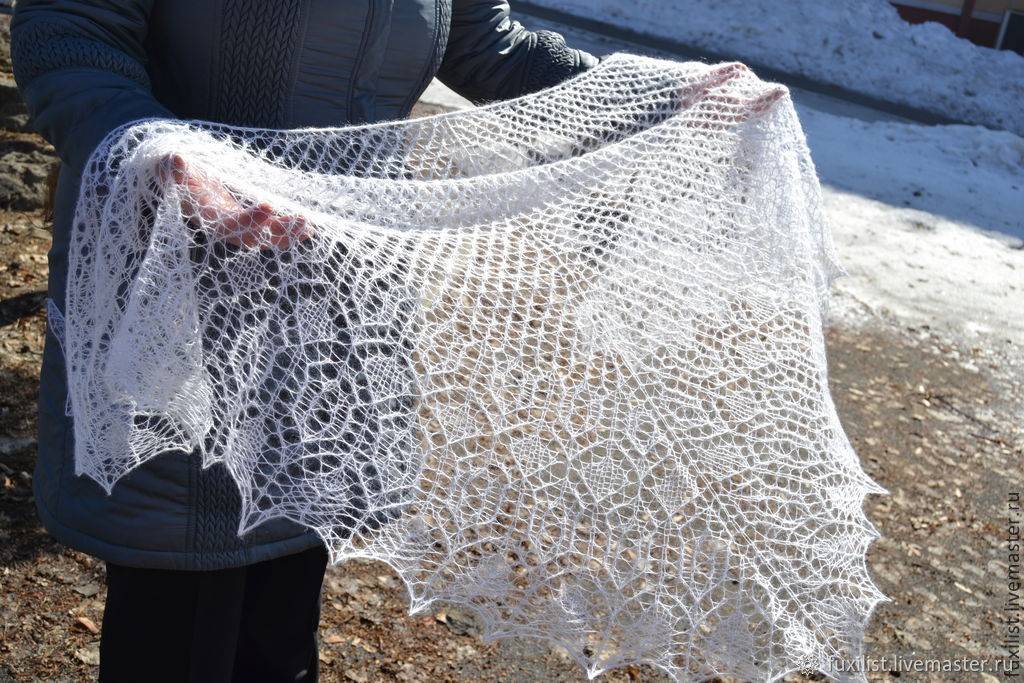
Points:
(171, 167)
(251, 231)
(302, 229)
(288, 230)
(746, 109)
(729, 71)
(767, 100)
(741, 108)
(271, 230)
(283, 229)
(266, 228)
(736, 109)
(179, 169)
(716, 77)
(249, 228)
(238, 227)
(293, 226)
(212, 202)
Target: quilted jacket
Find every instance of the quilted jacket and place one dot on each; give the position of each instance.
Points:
(85, 67)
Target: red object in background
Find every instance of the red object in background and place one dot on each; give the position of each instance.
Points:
(980, 31)
(964, 25)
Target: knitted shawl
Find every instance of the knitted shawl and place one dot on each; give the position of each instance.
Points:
(559, 358)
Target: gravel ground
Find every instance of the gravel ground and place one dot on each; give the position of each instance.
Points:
(935, 421)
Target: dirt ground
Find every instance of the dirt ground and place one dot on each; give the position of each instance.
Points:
(936, 422)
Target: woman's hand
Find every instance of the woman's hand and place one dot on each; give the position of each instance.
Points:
(738, 109)
(208, 201)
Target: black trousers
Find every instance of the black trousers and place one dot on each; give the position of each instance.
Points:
(254, 623)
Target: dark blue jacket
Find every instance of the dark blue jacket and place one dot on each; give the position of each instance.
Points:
(87, 66)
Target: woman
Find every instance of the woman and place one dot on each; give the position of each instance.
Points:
(188, 599)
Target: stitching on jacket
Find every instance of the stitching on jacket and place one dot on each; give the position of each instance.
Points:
(64, 50)
(439, 41)
(363, 40)
(254, 88)
(443, 30)
(102, 548)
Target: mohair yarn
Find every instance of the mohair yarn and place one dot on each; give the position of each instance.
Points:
(558, 358)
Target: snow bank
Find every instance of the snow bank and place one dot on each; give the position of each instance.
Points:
(926, 220)
(920, 268)
(967, 174)
(861, 45)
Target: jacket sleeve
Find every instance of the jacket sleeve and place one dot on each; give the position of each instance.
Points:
(80, 66)
(491, 57)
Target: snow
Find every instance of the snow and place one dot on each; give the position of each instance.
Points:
(967, 174)
(921, 269)
(927, 221)
(860, 45)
